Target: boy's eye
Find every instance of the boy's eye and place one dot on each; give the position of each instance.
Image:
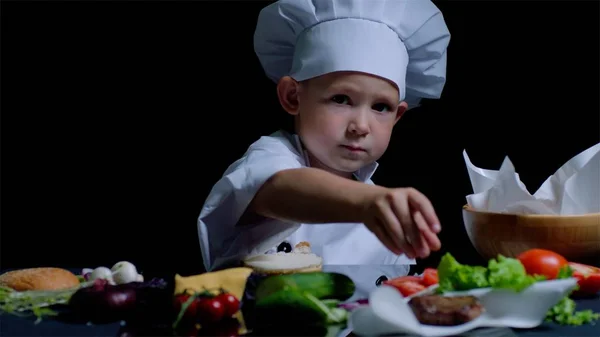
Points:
(382, 107)
(340, 99)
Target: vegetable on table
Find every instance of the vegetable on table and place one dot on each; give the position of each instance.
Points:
(503, 272)
(208, 301)
(96, 301)
(122, 272)
(410, 285)
(542, 262)
(300, 299)
(319, 284)
(291, 306)
(430, 277)
(231, 305)
(564, 313)
(456, 276)
(103, 302)
(407, 285)
(408, 288)
(512, 273)
(509, 273)
(35, 303)
(204, 308)
(588, 279)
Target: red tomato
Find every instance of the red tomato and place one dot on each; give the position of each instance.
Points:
(408, 288)
(430, 277)
(209, 310)
(230, 303)
(542, 262)
(588, 278)
(190, 312)
(403, 279)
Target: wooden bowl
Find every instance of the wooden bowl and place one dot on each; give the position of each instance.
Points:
(576, 237)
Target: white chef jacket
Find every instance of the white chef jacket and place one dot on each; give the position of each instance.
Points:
(345, 247)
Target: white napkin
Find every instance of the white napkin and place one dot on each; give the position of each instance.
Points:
(573, 189)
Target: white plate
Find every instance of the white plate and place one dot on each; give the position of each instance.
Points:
(388, 311)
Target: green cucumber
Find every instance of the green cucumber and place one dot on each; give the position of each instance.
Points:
(321, 285)
(289, 306)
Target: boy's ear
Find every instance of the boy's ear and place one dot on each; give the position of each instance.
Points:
(288, 91)
(402, 107)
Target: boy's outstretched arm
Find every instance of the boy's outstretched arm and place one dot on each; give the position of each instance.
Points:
(403, 219)
(311, 195)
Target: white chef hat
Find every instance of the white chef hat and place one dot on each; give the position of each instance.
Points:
(404, 41)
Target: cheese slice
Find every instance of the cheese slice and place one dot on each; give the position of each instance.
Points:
(232, 280)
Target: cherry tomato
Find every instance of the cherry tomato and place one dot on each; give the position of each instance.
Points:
(430, 277)
(542, 262)
(230, 303)
(190, 312)
(209, 310)
(588, 278)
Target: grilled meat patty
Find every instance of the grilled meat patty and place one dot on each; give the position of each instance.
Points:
(445, 311)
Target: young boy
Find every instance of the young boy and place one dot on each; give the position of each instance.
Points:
(346, 70)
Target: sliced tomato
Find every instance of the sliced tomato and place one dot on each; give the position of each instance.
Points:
(588, 278)
(407, 285)
(409, 288)
(430, 277)
(402, 279)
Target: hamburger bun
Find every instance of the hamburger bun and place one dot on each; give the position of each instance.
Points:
(284, 263)
(47, 278)
(284, 271)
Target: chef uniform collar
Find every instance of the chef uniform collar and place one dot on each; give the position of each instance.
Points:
(363, 174)
(403, 41)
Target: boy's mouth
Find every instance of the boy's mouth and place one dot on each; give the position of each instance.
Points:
(354, 148)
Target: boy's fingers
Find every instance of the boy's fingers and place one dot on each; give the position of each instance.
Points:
(420, 202)
(430, 238)
(412, 235)
(426, 250)
(386, 239)
(424, 233)
(395, 230)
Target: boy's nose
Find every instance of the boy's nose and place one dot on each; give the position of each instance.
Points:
(359, 125)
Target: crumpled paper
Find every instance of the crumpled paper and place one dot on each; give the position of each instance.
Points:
(574, 189)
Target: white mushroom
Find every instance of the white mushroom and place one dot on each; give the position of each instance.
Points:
(101, 273)
(124, 272)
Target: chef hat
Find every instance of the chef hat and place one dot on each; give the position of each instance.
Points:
(404, 41)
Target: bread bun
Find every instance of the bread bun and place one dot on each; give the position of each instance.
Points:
(48, 278)
(284, 263)
(270, 272)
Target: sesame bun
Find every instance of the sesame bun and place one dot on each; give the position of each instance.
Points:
(39, 279)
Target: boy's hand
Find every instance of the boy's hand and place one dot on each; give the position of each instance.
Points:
(404, 220)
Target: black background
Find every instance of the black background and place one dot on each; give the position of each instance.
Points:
(118, 117)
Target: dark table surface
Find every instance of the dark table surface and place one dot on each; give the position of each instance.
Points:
(16, 326)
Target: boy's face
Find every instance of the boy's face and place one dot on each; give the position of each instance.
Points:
(344, 119)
